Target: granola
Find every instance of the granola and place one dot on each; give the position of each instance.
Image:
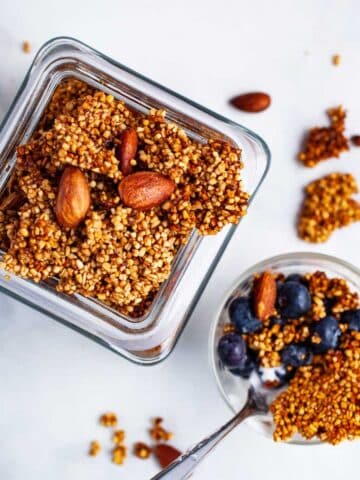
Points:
(118, 255)
(328, 205)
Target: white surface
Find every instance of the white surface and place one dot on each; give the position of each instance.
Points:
(53, 382)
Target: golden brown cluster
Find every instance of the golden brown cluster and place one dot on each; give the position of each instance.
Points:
(119, 454)
(326, 142)
(109, 419)
(158, 432)
(119, 451)
(118, 255)
(95, 448)
(142, 450)
(330, 295)
(323, 399)
(328, 205)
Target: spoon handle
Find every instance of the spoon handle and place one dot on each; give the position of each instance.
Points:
(182, 467)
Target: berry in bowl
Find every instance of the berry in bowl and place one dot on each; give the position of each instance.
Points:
(293, 323)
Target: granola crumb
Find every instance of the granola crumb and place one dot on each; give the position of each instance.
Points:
(118, 437)
(323, 143)
(95, 448)
(142, 450)
(158, 432)
(108, 419)
(328, 205)
(119, 454)
(26, 47)
(336, 59)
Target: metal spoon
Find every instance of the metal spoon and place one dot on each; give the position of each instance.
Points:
(257, 403)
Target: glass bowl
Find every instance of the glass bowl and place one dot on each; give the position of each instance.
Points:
(148, 339)
(234, 389)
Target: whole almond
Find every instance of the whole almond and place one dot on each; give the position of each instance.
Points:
(73, 198)
(166, 454)
(265, 296)
(145, 190)
(356, 140)
(126, 151)
(252, 102)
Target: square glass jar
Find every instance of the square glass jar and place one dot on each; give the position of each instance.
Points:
(148, 339)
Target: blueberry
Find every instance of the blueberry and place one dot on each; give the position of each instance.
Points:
(293, 299)
(295, 355)
(295, 277)
(247, 368)
(242, 317)
(352, 318)
(232, 350)
(328, 332)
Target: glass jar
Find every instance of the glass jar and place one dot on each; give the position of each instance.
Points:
(148, 339)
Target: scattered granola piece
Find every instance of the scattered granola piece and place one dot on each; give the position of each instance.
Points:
(119, 454)
(95, 448)
(326, 142)
(118, 437)
(142, 450)
(158, 433)
(26, 47)
(328, 205)
(355, 139)
(108, 419)
(336, 60)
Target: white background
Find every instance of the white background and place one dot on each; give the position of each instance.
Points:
(54, 383)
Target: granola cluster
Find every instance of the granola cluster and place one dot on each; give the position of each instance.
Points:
(118, 255)
(328, 205)
(323, 399)
(326, 142)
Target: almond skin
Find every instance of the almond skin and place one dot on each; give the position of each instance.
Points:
(73, 198)
(265, 296)
(356, 140)
(126, 151)
(166, 454)
(252, 102)
(145, 190)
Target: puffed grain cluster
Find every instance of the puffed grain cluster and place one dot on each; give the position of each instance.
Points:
(326, 142)
(328, 205)
(323, 399)
(118, 255)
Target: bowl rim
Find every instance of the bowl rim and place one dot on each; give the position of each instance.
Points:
(259, 266)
